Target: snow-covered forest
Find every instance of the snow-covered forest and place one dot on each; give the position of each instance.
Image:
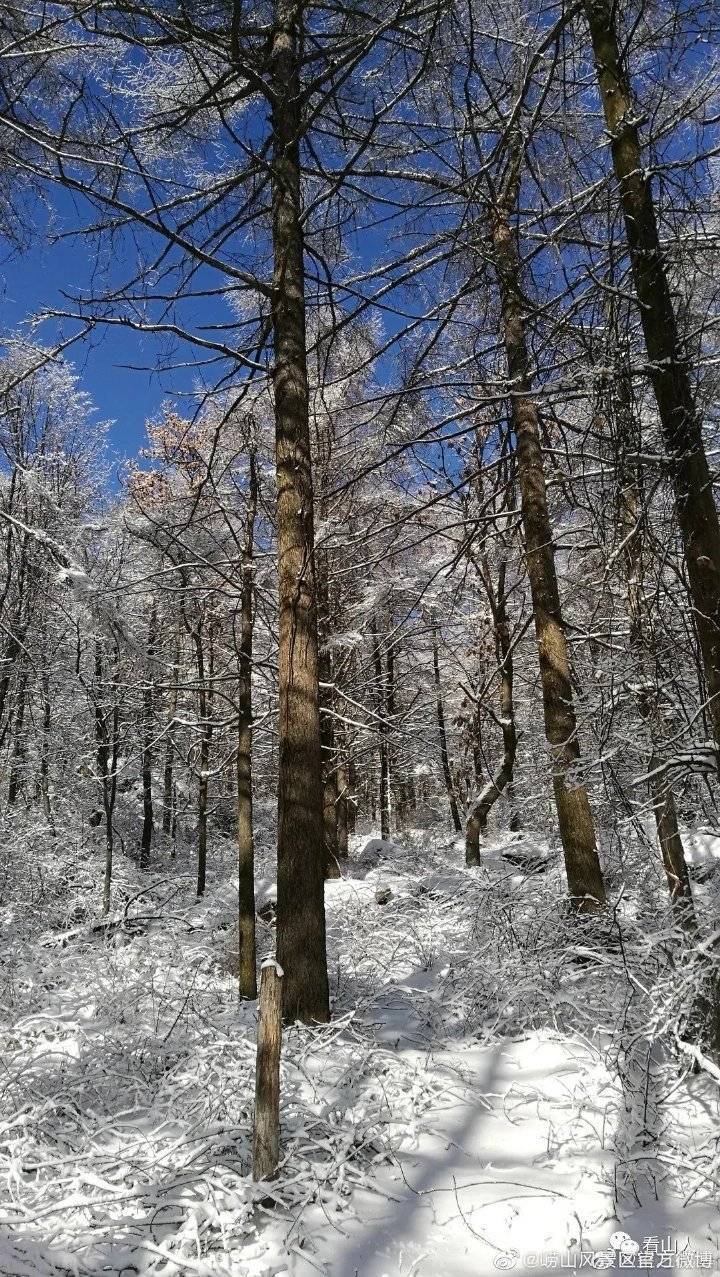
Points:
(385, 673)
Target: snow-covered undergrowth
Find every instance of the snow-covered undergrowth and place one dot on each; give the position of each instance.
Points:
(497, 1076)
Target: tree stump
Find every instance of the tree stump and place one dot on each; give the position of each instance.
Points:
(266, 1125)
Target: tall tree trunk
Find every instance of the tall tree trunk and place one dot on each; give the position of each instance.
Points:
(170, 741)
(45, 751)
(204, 715)
(107, 744)
(393, 751)
(444, 755)
(352, 801)
(344, 796)
(247, 975)
(669, 369)
(629, 442)
(385, 823)
(327, 726)
(343, 806)
(17, 765)
(477, 821)
(301, 851)
(577, 831)
(147, 754)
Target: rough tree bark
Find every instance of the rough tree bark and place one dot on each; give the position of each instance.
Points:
(301, 858)
(577, 831)
(669, 369)
(266, 1119)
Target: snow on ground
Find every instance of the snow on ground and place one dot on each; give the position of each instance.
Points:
(465, 1112)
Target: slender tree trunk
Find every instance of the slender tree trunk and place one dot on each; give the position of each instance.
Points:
(17, 765)
(344, 799)
(394, 754)
(332, 841)
(577, 831)
(502, 780)
(102, 744)
(147, 756)
(343, 824)
(385, 823)
(327, 726)
(444, 756)
(352, 802)
(301, 850)
(669, 369)
(247, 976)
(45, 751)
(170, 741)
(204, 714)
(628, 442)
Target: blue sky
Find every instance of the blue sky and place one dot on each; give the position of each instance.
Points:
(36, 279)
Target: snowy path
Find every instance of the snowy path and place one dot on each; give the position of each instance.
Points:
(424, 1134)
(512, 1164)
(507, 1156)
(489, 1170)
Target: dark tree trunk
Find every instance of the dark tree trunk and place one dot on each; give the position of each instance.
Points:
(301, 850)
(17, 765)
(669, 369)
(629, 444)
(344, 795)
(247, 977)
(343, 816)
(204, 714)
(170, 742)
(45, 752)
(477, 822)
(577, 831)
(102, 743)
(444, 755)
(327, 726)
(352, 802)
(381, 705)
(147, 754)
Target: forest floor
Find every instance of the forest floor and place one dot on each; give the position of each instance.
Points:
(483, 1100)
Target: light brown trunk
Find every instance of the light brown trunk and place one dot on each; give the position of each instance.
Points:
(266, 1122)
(577, 831)
(301, 851)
